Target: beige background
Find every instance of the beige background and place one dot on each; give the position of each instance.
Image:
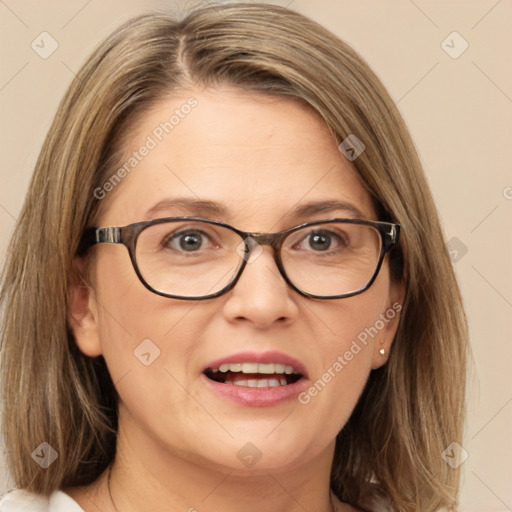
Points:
(458, 109)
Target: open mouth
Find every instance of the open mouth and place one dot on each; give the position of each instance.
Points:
(254, 375)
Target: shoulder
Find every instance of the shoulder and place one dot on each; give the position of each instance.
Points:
(24, 501)
(21, 500)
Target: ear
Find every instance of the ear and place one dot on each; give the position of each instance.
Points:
(83, 311)
(389, 321)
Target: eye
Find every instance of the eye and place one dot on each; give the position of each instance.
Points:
(320, 241)
(190, 240)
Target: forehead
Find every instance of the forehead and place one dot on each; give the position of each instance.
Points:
(258, 157)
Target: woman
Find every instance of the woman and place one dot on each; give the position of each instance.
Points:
(283, 328)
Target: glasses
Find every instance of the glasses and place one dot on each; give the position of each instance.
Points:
(192, 258)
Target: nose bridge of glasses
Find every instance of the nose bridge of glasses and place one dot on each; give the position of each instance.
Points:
(253, 243)
(272, 239)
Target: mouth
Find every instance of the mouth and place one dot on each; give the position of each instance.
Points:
(256, 379)
(254, 375)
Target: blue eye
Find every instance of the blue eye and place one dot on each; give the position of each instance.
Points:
(321, 241)
(188, 241)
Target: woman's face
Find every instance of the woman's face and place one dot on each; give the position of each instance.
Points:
(253, 162)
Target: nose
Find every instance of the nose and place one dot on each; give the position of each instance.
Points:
(261, 296)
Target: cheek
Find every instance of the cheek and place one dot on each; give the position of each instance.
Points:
(148, 344)
(135, 324)
(346, 342)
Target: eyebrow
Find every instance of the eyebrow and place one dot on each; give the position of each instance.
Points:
(329, 206)
(196, 207)
(206, 208)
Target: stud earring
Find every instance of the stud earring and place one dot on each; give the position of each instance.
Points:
(382, 351)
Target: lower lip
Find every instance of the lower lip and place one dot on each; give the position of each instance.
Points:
(257, 397)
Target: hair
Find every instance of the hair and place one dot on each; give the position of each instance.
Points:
(411, 409)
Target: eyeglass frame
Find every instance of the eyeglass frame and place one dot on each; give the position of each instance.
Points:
(128, 235)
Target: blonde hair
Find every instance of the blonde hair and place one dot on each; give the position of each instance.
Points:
(411, 409)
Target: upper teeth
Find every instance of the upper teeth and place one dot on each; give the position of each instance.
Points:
(255, 368)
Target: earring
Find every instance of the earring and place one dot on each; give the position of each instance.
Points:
(382, 351)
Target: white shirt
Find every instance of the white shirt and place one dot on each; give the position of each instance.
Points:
(23, 501)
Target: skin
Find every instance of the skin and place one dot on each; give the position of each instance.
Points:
(259, 157)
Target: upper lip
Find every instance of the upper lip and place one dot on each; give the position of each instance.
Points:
(260, 357)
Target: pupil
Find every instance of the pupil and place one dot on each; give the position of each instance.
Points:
(190, 242)
(320, 242)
